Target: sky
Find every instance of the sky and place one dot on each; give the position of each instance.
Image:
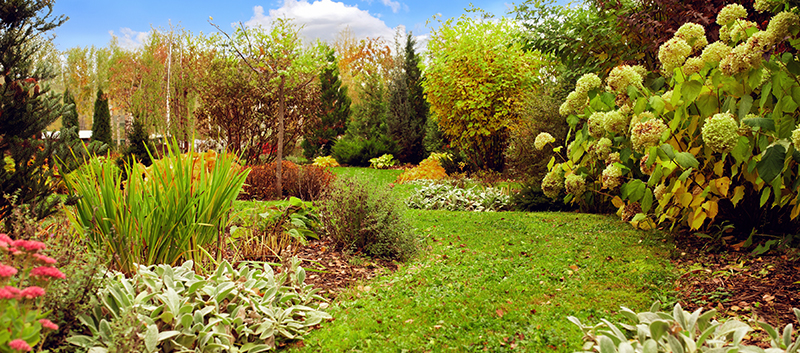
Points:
(94, 22)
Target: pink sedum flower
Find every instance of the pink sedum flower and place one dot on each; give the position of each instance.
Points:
(20, 345)
(32, 292)
(44, 259)
(47, 271)
(7, 271)
(29, 245)
(9, 292)
(48, 324)
(5, 241)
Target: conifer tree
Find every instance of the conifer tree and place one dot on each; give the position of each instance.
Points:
(333, 113)
(408, 109)
(26, 108)
(70, 117)
(101, 122)
(138, 144)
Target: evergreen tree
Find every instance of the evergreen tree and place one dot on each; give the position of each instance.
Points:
(408, 109)
(334, 111)
(101, 121)
(369, 115)
(70, 117)
(26, 109)
(138, 145)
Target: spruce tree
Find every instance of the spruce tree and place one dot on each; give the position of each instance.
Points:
(70, 117)
(138, 145)
(408, 109)
(101, 121)
(334, 111)
(27, 107)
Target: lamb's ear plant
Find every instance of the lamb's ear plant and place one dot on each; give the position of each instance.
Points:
(248, 309)
(164, 214)
(680, 331)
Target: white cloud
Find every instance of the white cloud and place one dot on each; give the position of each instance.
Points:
(395, 5)
(323, 19)
(130, 39)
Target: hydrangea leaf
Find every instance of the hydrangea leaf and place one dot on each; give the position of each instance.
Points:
(771, 163)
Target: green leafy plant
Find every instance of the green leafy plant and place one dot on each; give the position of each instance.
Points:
(357, 151)
(270, 232)
(367, 218)
(325, 162)
(714, 138)
(25, 274)
(165, 214)
(680, 331)
(446, 196)
(173, 309)
(382, 162)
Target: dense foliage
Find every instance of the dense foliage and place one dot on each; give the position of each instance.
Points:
(27, 107)
(476, 80)
(101, 122)
(408, 109)
(362, 217)
(334, 111)
(712, 140)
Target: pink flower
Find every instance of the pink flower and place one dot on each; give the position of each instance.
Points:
(7, 271)
(5, 241)
(47, 271)
(32, 292)
(44, 259)
(9, 292)
(19, 345)
(48, 324)
(29, 245)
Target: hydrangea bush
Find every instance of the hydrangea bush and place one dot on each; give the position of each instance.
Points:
(24, 275)
(717, 125)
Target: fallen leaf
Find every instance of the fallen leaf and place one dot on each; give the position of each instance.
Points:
(574, 267)
(409, 321)
(500, 312)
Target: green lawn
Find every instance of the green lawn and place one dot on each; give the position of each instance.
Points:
(497, 281)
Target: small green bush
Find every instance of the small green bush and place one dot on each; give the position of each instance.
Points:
(358, 151)
(362, 217)
(531, 199)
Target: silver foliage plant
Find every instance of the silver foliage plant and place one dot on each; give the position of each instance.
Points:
(655, 331)
(246, 309)
(444, 196)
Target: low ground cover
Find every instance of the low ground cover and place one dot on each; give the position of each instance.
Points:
(500, 281)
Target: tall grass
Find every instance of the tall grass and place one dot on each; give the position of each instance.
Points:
(165, 214)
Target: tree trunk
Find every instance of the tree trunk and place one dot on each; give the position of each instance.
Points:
(281, 115)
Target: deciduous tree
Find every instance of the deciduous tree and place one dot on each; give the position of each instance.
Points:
(476, 81)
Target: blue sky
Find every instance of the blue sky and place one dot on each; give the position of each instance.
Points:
(92, 22)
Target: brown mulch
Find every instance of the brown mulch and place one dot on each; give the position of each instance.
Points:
(333, 271)
(737, 283)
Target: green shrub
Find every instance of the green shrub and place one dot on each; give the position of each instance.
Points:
(445, 196)
(540, 113)
(713, 139)
(173, 309)
(383, 162)
(679, 331)
(167, 213)
(531, 199)
(366, 218)
(356, 151)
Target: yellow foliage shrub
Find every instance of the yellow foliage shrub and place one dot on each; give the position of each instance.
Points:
(428, 169)
(325, 161)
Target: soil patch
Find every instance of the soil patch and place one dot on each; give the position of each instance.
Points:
(737, 283)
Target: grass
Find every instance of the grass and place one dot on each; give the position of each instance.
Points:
(500, 281)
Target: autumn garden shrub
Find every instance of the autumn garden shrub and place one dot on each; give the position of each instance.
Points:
(714, 138)
(306, 182)
(428, 169)
(447, 196)
(25, 275)
(383, 162)
(167, 308)
(366, 218)
(523, 160)
(325, 161)
(357, 151)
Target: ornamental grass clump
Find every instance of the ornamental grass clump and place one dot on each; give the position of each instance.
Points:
(169, 213)
(25, 274)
